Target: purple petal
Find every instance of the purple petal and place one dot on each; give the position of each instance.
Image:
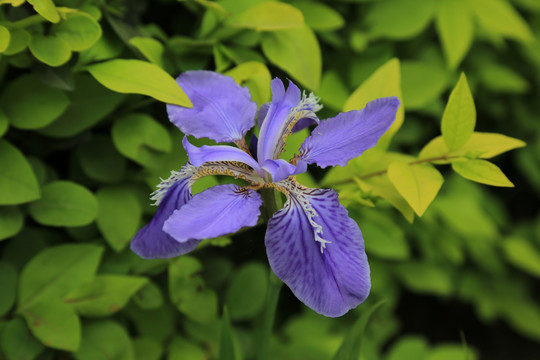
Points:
(337, 140)
(222, 110)
(218, 211)
(262, 114)
(151, 242)
(289, 111)
(318, 251)
(198, 156)
(274, 123)
(279, 169)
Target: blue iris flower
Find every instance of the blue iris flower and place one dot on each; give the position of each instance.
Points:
(312, 244)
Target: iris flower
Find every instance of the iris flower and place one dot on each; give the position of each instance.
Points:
(312, 244)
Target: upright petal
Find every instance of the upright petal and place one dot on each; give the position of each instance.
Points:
(222, 110)
(218, 211)
(151, 242)
(199, 156)
(318, 251)
(337, 140)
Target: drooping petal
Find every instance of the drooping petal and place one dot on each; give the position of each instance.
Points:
(279, 169)
(337, 140)
(315, 248)
(199, 156)
(218, 211)
(222, 110)
(151, 241)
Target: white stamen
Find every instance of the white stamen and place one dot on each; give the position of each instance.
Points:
(310, 102)
(163, 187)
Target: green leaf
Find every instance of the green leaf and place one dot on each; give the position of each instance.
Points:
(318, 16)
(105, 340)
(409, 348)
(383, 237)
(119, 215)
(147, 349)
(422, 83)
(386, 18)
(226, 344)
(268, 16)
(30, 104)
(55, 271)
(8, 284)
(139, 77)
(149, 296)
(151, 49)
(50, 50)
(46, 9)
(451, 352)
(11, 222)
(188, 293)
(17, 342)
(138, 137)
(55, 324)
(18, 41)
(297, 52)
(351, 347)
(247, 292)
(79, 30)
(482, 171)
(59, 77)
(333, 91)
(18, 183)
(502, 79)
(181, 349)
(104, 295)
(65, 203)
(90, 103)
(5, 38)
(256, 77)
(4, 123)
(500, 17)
(455, 27)
(425, 278)
(385, 81)
(418, 184)
(523, 254)
(480, 145)
(100, 160)
(459, 116)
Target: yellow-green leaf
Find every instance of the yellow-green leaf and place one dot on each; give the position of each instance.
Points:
(500, 17)
(384, 82)
(459, 116)
(297, 52)
(256, 77)
(482, 171)
(418, 184)
(318, 16)
(139, 77)
(79, 30)
(50, 50)
(269, 16)
(455, 27)
(18, 41)
(151, 49)
(381, 186)
(5, 37)
(46, 9)
(523, 254)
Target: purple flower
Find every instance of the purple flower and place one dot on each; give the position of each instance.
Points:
(312, 244)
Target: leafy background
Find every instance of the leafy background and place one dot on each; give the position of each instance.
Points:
(85, 138)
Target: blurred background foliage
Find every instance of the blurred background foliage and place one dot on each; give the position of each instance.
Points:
(85, 138)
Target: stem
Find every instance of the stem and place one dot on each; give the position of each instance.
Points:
(272, 202)
(272, 296)
(382, 172)
(29, 21)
